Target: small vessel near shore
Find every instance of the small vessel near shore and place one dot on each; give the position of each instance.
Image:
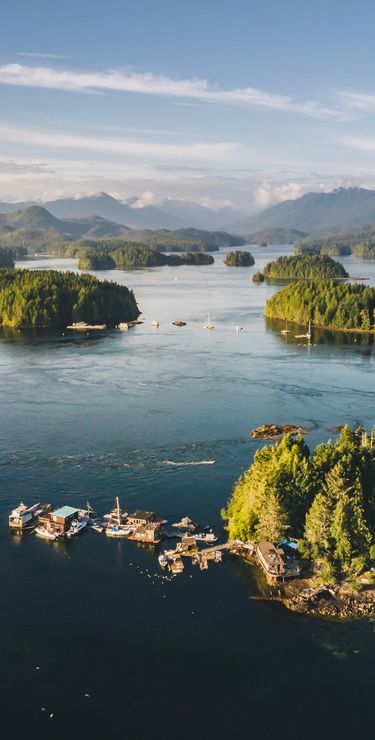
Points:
(305, 336)
(77, 526)
(179, 323)
(286, 330)
(46, 534)
(83, 326)
(123, 326)
(24, 517)
(116, 522)
(209, 324)
(88, 515)
(163, 560)
(155, 324)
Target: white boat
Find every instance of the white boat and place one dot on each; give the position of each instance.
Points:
(155, 324)
(163, 560)
(77, 526)
(305, 336)
(239, 328)
(205, 537)
(286, 330)
(97, 527)
(24, 516)
(123, 326)
(116, 516)
(209, 325)
(46, 534)
(115, 531)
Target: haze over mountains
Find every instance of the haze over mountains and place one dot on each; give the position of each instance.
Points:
(315, 212)
(102, 216)
(170, 214)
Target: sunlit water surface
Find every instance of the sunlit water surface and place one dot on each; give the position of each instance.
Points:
(92, 632)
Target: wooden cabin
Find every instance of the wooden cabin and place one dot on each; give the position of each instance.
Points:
(141, 518)
(59, 521)
(149, 532)
(274, 563)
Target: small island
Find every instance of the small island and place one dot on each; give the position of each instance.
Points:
(130, 256)
(258, 277)
(304, 266)
(320, 508)
(328, 304)
(54, 300)
(239, 259)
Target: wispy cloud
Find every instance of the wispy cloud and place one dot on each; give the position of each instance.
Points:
(359, 101)
(363, 143)
(116, 145)
(159, 85)
(42, 55)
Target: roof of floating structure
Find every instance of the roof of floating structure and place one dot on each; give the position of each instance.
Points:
(65, 511)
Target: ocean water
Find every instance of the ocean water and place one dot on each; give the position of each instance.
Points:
(92, 631)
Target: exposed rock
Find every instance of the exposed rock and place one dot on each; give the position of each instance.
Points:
(274, 431)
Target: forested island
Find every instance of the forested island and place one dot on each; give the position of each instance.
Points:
(325, 500)
(136, 255)
(239, 259)
(51, 299)
(326, 303)
(304, 266)
(265, 237)
(360, 243)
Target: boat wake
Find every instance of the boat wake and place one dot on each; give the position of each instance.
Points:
(188, 462)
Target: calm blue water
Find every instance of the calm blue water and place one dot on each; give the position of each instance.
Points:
(136, 414)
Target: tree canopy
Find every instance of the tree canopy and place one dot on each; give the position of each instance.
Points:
(327, 499)
(304, 266)
(46, 298)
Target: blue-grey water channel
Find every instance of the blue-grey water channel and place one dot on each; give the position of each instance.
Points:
(92, 632)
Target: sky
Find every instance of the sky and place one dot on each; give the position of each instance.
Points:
(242, 103)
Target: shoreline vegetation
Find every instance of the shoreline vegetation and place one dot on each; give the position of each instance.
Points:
(324, 502)
(304, 267)
(327, 304)
(52, 299)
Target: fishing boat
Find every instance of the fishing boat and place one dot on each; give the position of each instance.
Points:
(286, 330)
(77, 526)
(23, 517)
(115, 527)
(116, 516)
(88, 514)
(209, 324)
(46, 534)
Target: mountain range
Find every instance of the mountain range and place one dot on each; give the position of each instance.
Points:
(169, 214)
(340, 209)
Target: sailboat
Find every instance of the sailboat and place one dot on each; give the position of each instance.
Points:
(286, 330)
(305, 336)
(209, 325)
(115, 527)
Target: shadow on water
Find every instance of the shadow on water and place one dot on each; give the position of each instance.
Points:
(319, 336)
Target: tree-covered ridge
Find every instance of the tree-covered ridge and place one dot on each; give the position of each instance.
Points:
(304, 266)
(326, 499)
(264, 237)
(31, 241)
(360, 243)
(239, 259)
(46, 298)
(327, 303)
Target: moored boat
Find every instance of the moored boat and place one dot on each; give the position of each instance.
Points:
(163, 560)
(46, 534)
(77, 526)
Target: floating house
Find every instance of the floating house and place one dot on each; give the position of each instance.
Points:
(141, 518)
(59, 521)
(147, 527)
(24, 516)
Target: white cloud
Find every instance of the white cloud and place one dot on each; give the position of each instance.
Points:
(146, 199)
(363, 143)
(116, 145)
(148, 84)
(267, 193)
(357, 100)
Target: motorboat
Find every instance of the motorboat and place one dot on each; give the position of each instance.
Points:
(46, 534)
(77, 526)
(239, 328)
(155, 324)
(113, 530)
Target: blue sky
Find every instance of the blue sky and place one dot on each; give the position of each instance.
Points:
(242, 103)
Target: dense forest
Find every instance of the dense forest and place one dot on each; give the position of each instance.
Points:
(137, 255)
(304, 266)
(6, 257)
(46, 298)
(326, 303)
(239, 259)
(327, 500)
(360, 243)
(264, 237)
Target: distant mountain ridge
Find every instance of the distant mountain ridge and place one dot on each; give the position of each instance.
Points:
(37, 218)
(341, 209)
(169, 214)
